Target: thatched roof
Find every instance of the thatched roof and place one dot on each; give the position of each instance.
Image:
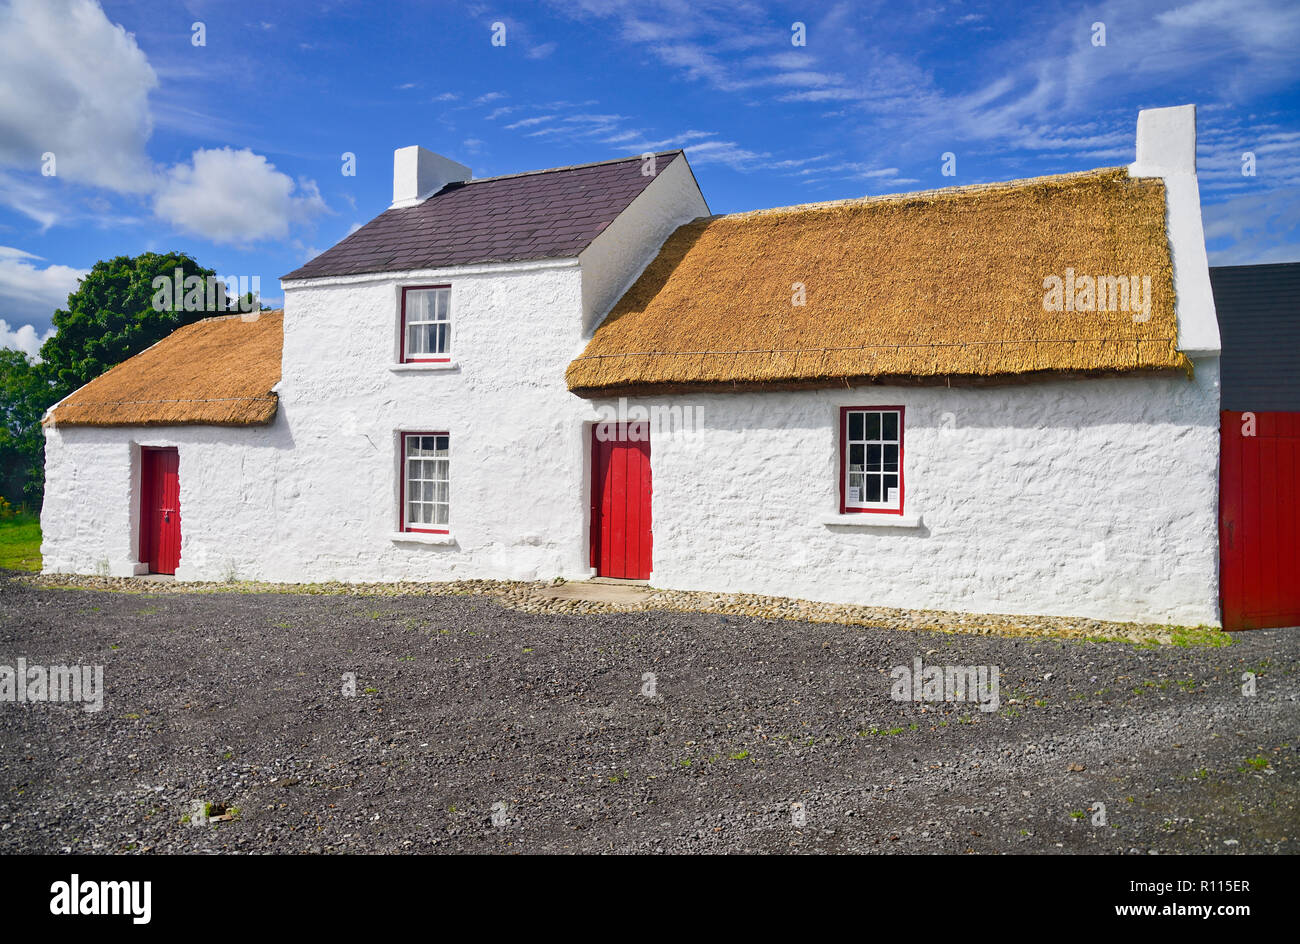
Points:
(215, 372)
(945, 286)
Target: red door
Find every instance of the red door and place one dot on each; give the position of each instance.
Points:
(620, 500)
(160, 510)
(1259, 519)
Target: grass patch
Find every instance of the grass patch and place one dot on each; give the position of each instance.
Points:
(1209, 636)
(20, 542)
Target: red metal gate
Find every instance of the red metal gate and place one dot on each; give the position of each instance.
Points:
(1259, 519)
(160, 510)
(620, 500)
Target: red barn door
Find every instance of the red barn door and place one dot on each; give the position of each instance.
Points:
(1259, 519)
(620, 500)
(160, 510)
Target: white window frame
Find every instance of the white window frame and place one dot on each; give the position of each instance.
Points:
(849, 504)
(442, 292)
(421, 527)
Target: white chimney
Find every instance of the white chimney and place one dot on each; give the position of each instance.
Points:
(1166, 142)
(418, 174)
(1166, 148)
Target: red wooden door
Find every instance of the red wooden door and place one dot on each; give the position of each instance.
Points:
(620, 500)
(160, 510)
(1259, 519)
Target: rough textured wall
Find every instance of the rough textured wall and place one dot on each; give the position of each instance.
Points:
(516, 448)
(231, 496)
(1092, 498)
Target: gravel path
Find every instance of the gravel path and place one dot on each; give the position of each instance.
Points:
(480, 727)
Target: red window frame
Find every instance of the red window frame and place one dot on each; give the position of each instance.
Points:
(402, 339)
(401, 479)
(845, 508)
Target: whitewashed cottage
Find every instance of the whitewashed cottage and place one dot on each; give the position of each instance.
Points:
(1000, 398)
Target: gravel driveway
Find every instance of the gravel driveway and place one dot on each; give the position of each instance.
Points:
(478, 728)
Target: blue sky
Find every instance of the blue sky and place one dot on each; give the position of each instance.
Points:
(232, 151)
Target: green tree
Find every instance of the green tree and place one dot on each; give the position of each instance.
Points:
(112, 316)
(25, 394)
(115, 312)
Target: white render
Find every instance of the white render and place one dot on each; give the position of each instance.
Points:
(418, 174)
(234, 483)
(1092, 498)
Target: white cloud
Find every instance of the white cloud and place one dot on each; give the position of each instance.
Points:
(23, 338)
(74, 85)
(542, 51)
(529, 122)
(235, 197)
(29, 293)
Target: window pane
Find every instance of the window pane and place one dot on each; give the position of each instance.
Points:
(427, 489)
(873, 458)
(873, 488)
(417, 306)
(873, 426)
(891, 481)
(855, 457)
(891, 426)
(891, 458)
(855, 426)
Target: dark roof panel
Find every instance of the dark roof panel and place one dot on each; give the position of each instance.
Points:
(1259, 325)
(549, 214)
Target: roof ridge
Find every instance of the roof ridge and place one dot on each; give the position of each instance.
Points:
(915, 194)
(556, 170)
(242, 316)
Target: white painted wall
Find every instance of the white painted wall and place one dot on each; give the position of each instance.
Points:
(516, 451)
(315, 496)
(1080, 498)
(617, 257)
(234, 481)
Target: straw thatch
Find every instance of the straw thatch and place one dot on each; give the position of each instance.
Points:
(942, 287)
(215, 372)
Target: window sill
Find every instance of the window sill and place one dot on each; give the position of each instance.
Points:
(423, 365)
(420, 537)
(868, 520)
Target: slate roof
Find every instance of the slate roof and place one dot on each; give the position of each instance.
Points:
(545, 214)
(1259, 321)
